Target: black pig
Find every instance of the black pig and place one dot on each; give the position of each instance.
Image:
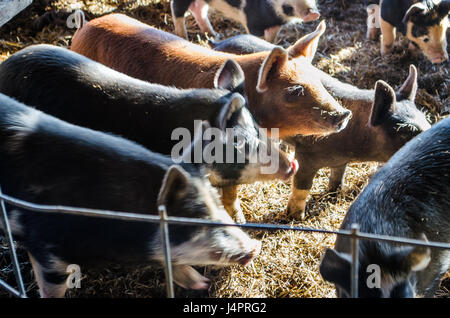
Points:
(408, 197)
(423, 22)
(47, 161)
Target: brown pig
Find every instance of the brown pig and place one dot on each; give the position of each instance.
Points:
(281, 92)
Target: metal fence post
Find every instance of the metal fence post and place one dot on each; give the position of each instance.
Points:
(355, 260)
(12, 249)
(166, 247)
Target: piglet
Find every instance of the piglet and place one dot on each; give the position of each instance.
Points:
(409, 197)
(47, 161)
(259, 17)
(424, 23)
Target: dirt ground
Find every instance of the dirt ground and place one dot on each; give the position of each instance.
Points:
(288, 264)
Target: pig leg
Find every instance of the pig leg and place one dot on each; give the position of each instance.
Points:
(373, 13)
(232, 204)
(50, 282)
(300, 190)
(372, 33)
(179, 8)
(199, 10)
(187, 277)
(336, 178)
(387, 37)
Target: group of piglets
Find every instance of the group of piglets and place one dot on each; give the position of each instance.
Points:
(70, 148)
(409, 197)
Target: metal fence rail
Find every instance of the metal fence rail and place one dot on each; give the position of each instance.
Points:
(354, 234)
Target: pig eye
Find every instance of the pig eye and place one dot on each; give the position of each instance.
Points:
(426, 39)
(294, 92)
(288, 10)
(297, 90)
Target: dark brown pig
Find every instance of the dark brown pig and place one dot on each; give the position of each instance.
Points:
(423, 22)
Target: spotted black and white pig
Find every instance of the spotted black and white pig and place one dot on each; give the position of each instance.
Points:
(423, 22)
(47, 161)
(383, 121)
(259, 17)
(408, 197)
(74, 88)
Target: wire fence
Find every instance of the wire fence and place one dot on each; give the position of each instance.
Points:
(164, 220)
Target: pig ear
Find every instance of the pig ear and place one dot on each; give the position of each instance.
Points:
(276, 59)
(229, 76)
(413, 259)
(443, 8)
(417, 8)
(307, 45)
(175, 185)
(383, 101)
(235, 103)
(335, 268)
(409, 87)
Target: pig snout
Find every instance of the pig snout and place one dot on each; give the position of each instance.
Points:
(254, 247)
(439, 58)
(341, 120)
(242, 251)
(334, 121)
(311, 15)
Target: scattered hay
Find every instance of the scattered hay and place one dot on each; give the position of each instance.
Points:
(288, 264)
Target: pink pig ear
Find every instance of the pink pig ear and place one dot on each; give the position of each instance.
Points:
(276, 59)
(409, 87)
(307, 45)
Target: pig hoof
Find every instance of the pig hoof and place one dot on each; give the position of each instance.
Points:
(387, 49)
(239, 216)
(235, 211)
(297, 210)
